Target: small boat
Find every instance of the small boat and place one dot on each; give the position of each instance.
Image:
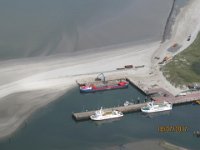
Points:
(126, 103)
(196, 133)
(156, 107)
(101, 115)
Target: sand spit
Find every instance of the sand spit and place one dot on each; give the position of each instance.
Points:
(147, 145)
(17, 107)
(51, 77)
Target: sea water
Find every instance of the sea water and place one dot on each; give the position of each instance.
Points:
(53, 127)
(44, 27)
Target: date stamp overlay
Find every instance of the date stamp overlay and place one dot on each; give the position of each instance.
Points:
(172, 128)
(177, 129)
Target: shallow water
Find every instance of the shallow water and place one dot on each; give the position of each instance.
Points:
(52, 127)
(45, 27)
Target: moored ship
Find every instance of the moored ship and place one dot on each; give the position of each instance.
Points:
(101, 115)
(106, 86)
(156, 107)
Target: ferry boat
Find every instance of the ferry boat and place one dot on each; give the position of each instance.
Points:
(101, 115)
(156, 107)
(94, 88)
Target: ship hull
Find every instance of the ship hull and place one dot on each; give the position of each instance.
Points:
(156, 110)
(105, 117)
(101, 115)
(152, 108)
(103, 88)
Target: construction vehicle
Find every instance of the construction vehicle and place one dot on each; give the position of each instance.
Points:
(100, 77)
(166, 59)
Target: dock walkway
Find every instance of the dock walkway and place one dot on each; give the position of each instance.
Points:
(180, 99)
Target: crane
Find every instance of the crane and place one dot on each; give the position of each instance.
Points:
(100, 77)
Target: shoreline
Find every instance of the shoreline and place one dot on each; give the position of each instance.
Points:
(59, 74)
(157, 144)
(16, 122)
(167, 25)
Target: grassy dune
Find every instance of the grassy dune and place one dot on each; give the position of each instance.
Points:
(185, 67)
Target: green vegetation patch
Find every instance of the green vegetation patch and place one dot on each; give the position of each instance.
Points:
(185, 67)
(196, 67)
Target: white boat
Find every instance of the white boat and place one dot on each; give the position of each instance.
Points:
(126, 103)
(156, 107)
(101, 115)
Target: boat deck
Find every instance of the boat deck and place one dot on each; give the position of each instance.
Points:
(101, 83)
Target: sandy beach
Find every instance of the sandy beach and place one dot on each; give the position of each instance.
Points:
(33, 83)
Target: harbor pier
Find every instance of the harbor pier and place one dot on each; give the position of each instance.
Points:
(155, 94)
(137, 107)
